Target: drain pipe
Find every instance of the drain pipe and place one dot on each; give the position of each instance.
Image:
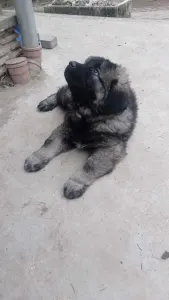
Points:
(26, 21)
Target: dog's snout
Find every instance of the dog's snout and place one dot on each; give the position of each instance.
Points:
(72, 64)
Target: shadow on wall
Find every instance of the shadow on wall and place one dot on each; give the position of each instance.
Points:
(6, 3)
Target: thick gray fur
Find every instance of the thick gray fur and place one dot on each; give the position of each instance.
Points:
(102, 125)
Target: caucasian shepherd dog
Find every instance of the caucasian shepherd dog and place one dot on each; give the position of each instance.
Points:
(100, 115)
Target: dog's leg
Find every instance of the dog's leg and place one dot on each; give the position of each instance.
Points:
(52, 147)
(62, 98)
(100, 163)
(48, 104)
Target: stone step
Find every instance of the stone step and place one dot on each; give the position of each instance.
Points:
(120, 9)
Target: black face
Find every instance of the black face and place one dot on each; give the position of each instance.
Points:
(86, 81)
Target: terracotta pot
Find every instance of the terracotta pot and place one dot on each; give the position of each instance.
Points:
(18, 69)
(34, 67)
(33, 53)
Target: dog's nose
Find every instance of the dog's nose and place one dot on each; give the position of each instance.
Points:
(72, 64)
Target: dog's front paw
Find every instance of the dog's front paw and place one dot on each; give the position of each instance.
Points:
(73, 189)
(34, 163)
(44, 106)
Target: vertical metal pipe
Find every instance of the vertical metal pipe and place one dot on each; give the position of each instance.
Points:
(26, 21)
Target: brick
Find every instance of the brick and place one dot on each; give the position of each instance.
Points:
(2, 32)
(15, 53)
(47, 41)
(8, 38)
(2, 70)
(7, 21)
(14, 45)
(3, 59)
(4, 50)
(9, 47)
(9, 55)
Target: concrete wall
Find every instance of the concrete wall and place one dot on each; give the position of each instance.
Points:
(9, 47)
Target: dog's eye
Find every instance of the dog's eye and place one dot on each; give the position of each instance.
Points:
(95, 71)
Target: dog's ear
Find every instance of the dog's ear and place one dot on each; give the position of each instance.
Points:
(116, 101)
(88, 59)
(94, 61)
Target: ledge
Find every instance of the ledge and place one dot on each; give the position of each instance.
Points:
(121, 10)
(7, 21)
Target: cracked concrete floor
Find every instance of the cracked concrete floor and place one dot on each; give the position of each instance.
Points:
(108, 244)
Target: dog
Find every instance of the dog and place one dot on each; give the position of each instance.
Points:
(100, 116)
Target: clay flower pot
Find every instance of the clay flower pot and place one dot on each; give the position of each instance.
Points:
(34, 67)
(33, 53)
(18, 69)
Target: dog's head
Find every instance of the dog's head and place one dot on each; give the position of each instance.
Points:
(98, 84)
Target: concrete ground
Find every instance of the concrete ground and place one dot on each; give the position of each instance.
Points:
(108, 244)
